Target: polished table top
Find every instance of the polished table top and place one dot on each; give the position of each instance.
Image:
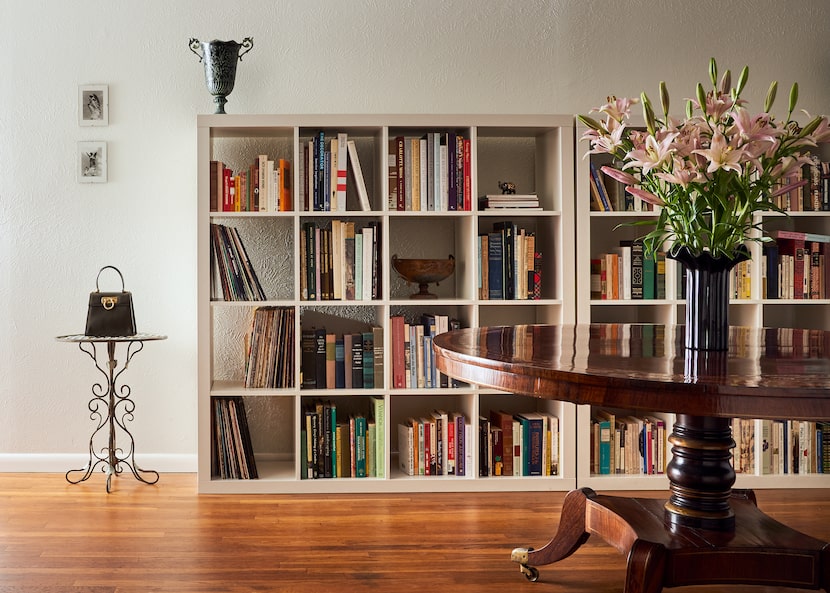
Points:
(767, 373)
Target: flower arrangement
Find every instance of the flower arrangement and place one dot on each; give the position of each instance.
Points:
(710, 172)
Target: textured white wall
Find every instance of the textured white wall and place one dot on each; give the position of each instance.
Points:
(310, 56)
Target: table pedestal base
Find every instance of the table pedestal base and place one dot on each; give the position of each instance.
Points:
(759, 551)
(111, 407)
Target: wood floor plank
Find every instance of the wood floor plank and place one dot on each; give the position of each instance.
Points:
(62, 538)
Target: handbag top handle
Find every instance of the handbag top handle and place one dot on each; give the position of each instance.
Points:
(112, 268)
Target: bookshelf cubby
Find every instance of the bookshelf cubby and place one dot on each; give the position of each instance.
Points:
(536, 152)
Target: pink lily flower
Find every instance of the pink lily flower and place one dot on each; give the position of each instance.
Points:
(618, 108)
(609, 143)
(652, 155)
(721, 155)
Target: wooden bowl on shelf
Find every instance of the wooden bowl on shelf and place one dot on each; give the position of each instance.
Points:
(423, 272)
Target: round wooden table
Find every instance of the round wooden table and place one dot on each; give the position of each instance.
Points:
(705, 532)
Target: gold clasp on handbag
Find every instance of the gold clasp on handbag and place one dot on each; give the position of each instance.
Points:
(109, 302)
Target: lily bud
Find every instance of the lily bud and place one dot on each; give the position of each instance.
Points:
(664, 98)
(773, 88)
(793, 98)
(590, 122)
(742, 80)
(726, 82)
(648, 113)
(810, 127)
(689, 109)
(701, 97)
(713, 72)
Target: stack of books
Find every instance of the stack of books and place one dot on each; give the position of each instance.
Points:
(509, 201)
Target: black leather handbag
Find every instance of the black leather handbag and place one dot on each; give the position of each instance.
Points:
(110, 314)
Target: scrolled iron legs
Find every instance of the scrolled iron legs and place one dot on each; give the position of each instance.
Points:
(111, 408)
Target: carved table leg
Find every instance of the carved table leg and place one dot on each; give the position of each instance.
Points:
(646, 565)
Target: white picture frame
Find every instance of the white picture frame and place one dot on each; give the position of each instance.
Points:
(92, 162)
(93, 105)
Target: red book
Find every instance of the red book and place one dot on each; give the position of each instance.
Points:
(401, 168)
(468, 181)
(398, 354)
(504, 421)
(285, 201)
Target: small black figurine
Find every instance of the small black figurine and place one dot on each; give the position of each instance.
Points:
(507, 187)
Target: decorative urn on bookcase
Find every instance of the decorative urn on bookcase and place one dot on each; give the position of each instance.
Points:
(220, 59)
(708, 174)
(423, 272)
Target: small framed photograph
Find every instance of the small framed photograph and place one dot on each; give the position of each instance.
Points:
(93, 105)
(92, 162)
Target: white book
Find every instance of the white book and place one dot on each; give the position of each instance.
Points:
(424, 175)
(406, 458)
(332, 171)
(442, 200)
(358, 266)
(357, 172)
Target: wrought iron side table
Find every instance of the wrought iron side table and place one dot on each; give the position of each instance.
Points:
(111, 407)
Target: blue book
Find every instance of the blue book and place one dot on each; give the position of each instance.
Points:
(532, 438)
(771, 253)
(339, 363)
(495, 254)
(368, 360)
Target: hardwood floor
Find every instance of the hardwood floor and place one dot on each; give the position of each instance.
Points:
(56, 538)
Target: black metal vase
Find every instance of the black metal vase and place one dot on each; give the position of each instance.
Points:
(220, 58)
(707, 298)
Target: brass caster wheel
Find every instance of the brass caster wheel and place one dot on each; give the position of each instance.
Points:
(531, 572)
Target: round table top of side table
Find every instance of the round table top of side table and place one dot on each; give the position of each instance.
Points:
(139, 337)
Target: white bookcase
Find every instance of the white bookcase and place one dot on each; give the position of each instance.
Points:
(599, 232)
(535, 152)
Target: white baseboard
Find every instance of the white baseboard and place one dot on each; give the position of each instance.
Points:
(61, 462)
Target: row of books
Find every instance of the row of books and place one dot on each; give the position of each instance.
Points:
(787, 447)
(430, 173)
(795, 266)
(435, 445)
(413, 361)
(324, 173)
(345, 446)
(232, 455)
(608, 195)
(627, 444)
(627, 274)
(812, 197)
(265, 186)
(340, 261)
(232, 275)
(269, 348)
(341, 361)
(509, 264)
(523, 444)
